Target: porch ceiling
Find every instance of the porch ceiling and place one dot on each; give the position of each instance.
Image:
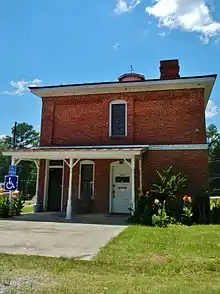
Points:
(78, 152)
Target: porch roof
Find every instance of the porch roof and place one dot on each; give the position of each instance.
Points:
(78, 152)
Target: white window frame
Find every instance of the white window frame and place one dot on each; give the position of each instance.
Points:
(93, 178)
(110, 117)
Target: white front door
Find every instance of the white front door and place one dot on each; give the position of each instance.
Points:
(121, 188)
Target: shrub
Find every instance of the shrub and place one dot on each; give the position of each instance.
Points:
(201, 207)
(170, 188)
(187, 214)
(161, 219)
(215, 212)
(4, 206)
(17, 205)
(170, 183)
(142, 214)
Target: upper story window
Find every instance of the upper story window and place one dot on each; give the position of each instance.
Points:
(118, 118)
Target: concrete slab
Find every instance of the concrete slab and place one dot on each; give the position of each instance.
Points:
(76, 240)
(99, 219)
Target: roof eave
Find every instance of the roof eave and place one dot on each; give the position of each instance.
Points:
(206, 82)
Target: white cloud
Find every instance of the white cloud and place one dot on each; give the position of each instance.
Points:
(212, 110)
(21, 87)
(2, 136)
(163, 34)
(126, 5)
(189, 15)
(116, 46)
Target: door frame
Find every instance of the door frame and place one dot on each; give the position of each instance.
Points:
(46, 184)
(93, 177)
(112, 165)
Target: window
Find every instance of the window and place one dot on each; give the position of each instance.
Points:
(56, 163)
(118, 118)
(86, 180)
(122, 179)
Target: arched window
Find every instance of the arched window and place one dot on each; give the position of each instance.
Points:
(118, 118)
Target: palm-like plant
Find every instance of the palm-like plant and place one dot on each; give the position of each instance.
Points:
(170, 183)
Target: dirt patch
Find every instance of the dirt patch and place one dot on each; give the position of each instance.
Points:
(158, 258)
(17, 284)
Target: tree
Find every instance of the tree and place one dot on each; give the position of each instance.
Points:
(4, 161)
(26, 137)
(213, 138)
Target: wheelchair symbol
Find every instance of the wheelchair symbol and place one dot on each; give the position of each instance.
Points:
(10, 185)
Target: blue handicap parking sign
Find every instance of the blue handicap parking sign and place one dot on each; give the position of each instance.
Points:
(12, 170)
(11, 183)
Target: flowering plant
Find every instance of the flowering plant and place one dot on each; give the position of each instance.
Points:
(160, 219)
(187, 198)
(187, 210)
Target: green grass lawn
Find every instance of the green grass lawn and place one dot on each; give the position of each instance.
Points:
(28, 207)
(140, 260)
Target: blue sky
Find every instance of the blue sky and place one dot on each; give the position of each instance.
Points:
(57, 42)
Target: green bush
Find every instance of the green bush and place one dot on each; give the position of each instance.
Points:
(142, 214)
(4, 207)
(17, 206)
(170, 188)
(215, 212)
(187, 214)
(161, 219)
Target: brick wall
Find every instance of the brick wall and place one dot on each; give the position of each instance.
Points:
(158, 117)
(193, 163)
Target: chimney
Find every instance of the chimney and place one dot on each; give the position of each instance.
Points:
(169, 69)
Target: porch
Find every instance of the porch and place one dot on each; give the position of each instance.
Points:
(86, 179)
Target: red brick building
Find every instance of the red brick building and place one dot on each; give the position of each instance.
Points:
(101, 141)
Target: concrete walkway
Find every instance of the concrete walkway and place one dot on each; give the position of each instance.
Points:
(56, 239)
(98, 219)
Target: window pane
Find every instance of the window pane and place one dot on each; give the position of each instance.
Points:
(118, 120)
(122, 179)
(86, 181)
(56, 163)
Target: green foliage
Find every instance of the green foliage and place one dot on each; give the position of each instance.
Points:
(213, 139)
(187, 213)
(143, 211)
(170, 183)
(215, 212)
(17, 205)
(161, 219)
(4, 207)
(26, 136)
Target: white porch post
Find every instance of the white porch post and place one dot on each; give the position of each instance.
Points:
(69, 201)
(140, 175)
(133, 181)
